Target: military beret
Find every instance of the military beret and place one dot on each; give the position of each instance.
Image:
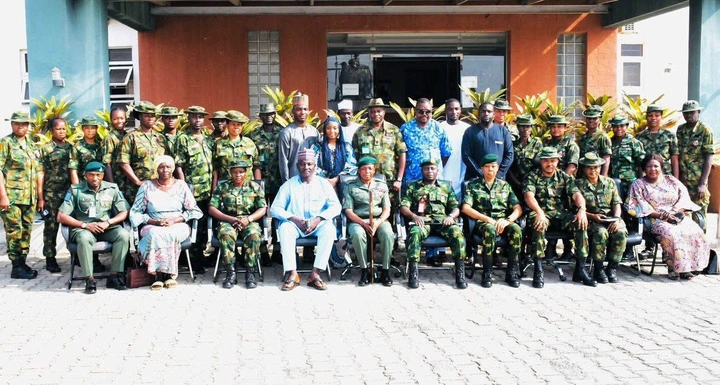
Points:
(240, 163)
(549, 153)
(691, 105)
(489, 158)
(169, 111)
(95, 166)
(654, 108)
(429, 162)
(525, 120)
(89, 121)
(20, 117)
(366, 160)
(196, 110)
(591, 159)
(236, 116)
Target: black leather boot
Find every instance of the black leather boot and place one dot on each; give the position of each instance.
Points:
(486, 281)
(385, 277)
(51, 265)
(116, 281)
(230, 277)
(611, 271)
(250, 282)
(90, 286)
(22, 271)
(460, 282)
(581, 275)
(364, 277)
(599, 273)
(511, 275)
(413, 276)
(538, 280)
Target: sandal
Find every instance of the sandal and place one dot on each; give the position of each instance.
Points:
(317, 283)
(687, 276)
(171, 283)
(290, 284)
(673, 276)
(157, 285)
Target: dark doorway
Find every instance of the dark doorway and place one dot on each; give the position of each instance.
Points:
(399, 78)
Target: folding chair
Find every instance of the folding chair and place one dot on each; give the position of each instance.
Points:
(549, 236)
(310, 241)
(184, 246)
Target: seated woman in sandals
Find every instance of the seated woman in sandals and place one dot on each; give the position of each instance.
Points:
(163, 205)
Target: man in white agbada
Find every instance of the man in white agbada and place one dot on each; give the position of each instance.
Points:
(305, 205)
(454, 171)
(346, 113)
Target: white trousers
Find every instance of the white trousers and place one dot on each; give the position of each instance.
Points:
(289, 233)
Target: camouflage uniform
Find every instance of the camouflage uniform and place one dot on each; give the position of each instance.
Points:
(239, 202)
(266, 143)
(694, 145)
(110, 148)
(227, 152)
(664, 143)
(193, 153)
(384, 144)
(83, 153)
(553, 194)
(20, 164)
(598, 143)
(170, 143)
(600, 199)
(55, 158)
(625, 160)
(497, 202)
(139, 150)
(441, 201)
(526, 158)
(567, 149)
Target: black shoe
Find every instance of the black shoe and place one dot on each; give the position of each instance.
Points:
(413, 276)
(250, 282)
(276, 257)
(51, 265)
(364, 277)
(460, 282)
(599, 273)
(581, 275)
(265, 259)
(511, 275)
(486, 281)
(538, 280)
(611, 272)
(22, 271)
(628, 256)
(230, 276)
(90, 286)
(198, 264)
(116, 281)
(385, 277)
(433, 262)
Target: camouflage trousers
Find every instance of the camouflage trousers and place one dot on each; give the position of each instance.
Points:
(251, 237)
(602, 241)
(703, 203)
(130, 192)
(53, 200)
(18, 220)
(452, 234)
(564, 223)
(488, 236)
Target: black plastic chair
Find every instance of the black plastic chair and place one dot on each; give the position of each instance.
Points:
(184, 246)
(634, 227)
(310, 241)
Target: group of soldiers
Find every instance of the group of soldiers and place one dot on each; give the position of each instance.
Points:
(506, 172)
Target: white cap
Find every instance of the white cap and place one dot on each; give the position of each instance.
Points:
(345, 105)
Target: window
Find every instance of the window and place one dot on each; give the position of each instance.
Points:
(571, 59)
(122, 75)
(629, 27)
(631, 50)
(24, 78)
(631, 74)
(263, 66)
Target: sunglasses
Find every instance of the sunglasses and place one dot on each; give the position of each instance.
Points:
(424, 112)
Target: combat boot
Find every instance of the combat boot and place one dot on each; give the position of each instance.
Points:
(116, 281)
(486, 281)
(460, 274)
(581, 275)
(385, 277)
(22, 271)
(250, 282)
(90, 286)
(364, 277)
(51, 265)
(611, 271)
(230, 277)
(599, 273)
(511, 275)
(413, 276)
(538, 280)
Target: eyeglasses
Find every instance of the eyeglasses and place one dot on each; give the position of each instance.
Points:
(424, 112)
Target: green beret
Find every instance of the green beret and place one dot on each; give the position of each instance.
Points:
(94, 166)
(240, 163)
(429, 162)
(489, 158)
(366, 160)
(591, 159)
(20, 117)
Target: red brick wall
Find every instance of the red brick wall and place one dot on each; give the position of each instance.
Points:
(203, 59)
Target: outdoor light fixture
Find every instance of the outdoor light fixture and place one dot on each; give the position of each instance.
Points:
(57, 80)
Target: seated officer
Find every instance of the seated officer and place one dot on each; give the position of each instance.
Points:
(432, 208)
(369, 218)
(86, 210)
(603, 206)
(548, 192)
(492, 203)
(238, 204)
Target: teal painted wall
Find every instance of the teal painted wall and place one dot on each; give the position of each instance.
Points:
(704, 60)
(72, 36)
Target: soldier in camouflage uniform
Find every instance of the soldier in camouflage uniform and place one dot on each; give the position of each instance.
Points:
(170, 117)
(627, 153)
(110, 148)
(56, 181)
(86, 150)
(603, 204)
(20, 181)
(432, 208)
(238, 204)
(564, 144)
(527, 150)
(501, 110)
(548, 193)
(139, 150)
(232, 148)
(219, 121)
(657, 141)
(595, 139)
(495, 208)
(696, 146)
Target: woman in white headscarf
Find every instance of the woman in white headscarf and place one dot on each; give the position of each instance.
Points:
(163, 206)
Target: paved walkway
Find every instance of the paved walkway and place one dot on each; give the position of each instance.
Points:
(643, 330)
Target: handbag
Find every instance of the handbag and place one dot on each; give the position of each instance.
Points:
(138, 276)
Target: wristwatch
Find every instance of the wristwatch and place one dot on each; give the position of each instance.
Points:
(83, 226)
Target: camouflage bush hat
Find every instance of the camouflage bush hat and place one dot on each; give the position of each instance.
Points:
(145, 108)
(89, 121)
(654, 108)
(525, 120)
(557, 119)
(489, 158)
(502, 104)
(619, 120)
(20, 117)
(169, 111)
(691, 105)
(219, 115)
(236, 116)
(196, 110)
(366, 160)
(377, 102)
(95, 166)
(240, 164)
(549, 153)
(591, 159)
(268, 108)
(593, 112)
